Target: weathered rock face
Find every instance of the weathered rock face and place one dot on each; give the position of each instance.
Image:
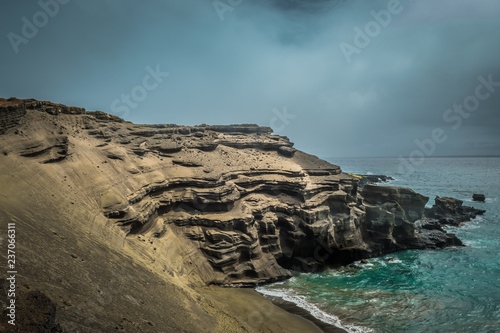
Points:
(245, 204)
(11, 115)
(391, 213)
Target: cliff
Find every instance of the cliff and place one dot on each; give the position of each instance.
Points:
(185, 207)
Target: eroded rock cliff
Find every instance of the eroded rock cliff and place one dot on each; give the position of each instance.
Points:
(247, 202)
(225, 205)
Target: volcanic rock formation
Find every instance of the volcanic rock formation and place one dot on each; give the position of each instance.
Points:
(225, 205)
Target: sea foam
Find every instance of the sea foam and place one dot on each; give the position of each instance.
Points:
(319, 314)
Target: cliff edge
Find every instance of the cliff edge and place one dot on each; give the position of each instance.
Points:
(185, 207)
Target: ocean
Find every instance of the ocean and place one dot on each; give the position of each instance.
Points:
(451, 290)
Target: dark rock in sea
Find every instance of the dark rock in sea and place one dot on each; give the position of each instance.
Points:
(478, 197)
(433, 235)
(450, 211)
(444, 212)
(373, 179)
(438, 239)
(359, 264)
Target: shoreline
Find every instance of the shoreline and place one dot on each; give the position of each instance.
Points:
(325, 321)
(294, 309)
(246, 310)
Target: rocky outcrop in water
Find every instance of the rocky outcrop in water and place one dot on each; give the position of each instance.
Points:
(478, 197)
(373, 179)
(450, 211)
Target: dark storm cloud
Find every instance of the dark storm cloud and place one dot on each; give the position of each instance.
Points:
(266, 57)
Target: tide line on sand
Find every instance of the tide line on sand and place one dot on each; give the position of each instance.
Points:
(312, 309)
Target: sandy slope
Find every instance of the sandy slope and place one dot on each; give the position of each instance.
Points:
(97, 279)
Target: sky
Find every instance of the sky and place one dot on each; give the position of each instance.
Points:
(340, 78)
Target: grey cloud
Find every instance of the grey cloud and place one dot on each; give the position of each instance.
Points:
(267, 55)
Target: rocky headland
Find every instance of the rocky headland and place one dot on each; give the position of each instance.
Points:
(122, 227)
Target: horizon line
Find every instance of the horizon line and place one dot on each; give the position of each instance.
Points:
(440, 156)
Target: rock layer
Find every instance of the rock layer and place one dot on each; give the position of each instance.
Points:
(251, 204)
(245, 200)
(125, 220)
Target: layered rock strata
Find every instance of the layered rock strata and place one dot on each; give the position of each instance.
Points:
(247, 207)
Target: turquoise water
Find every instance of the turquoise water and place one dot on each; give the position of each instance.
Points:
(450, 290)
